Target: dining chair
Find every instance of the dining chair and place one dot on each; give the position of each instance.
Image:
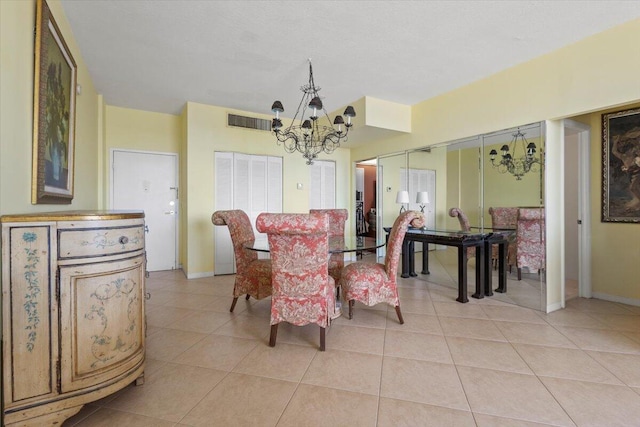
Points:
(464, 226)
(303, 291)
(337, 218)
(504, 218)
(371, 283)
(253, 275)
(530, 240)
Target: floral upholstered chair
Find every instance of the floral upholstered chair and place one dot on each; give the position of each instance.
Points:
(464, 226)
(253, 275)
(371, 283)
(337, 218)
(303, 291)
(530, 240)
(505, 218)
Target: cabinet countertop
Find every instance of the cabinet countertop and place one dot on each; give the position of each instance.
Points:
(72, 215)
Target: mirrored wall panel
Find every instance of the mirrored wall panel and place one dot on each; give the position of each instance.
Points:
(491, 183)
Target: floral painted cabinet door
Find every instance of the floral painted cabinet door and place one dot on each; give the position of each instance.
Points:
(97, 342)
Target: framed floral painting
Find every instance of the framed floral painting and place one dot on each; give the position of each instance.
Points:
(621, 166)
(53, 113)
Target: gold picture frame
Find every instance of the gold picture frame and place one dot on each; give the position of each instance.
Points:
(621, 166)
(54, 105)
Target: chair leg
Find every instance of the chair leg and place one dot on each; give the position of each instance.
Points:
(247, 297)
(399, 313)
(233, 304)
(519, 273)
(322, 333)
(274, 334)
(351, 309)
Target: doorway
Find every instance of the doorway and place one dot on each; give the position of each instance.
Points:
(577, 210)
(148, 181)
(366, 202)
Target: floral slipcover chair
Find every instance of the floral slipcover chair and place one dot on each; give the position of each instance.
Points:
(464, 226)
(506, 218)
(253, 275)
(303, 291)
(371, 283)
(337, 218)
(530, 240)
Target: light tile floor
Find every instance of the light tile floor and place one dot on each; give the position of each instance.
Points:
(485, 363)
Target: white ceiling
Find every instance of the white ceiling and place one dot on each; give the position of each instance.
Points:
(157, 55)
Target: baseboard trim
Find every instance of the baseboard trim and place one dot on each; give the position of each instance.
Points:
(200, 275)
(615, 298)
(554, 307)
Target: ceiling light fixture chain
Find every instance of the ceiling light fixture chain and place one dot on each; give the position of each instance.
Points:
(309, 136)
(516, 166)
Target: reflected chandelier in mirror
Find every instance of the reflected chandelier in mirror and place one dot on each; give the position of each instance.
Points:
(517, 166)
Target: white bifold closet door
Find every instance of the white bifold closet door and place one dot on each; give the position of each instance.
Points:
(247, 182)
(322, 185)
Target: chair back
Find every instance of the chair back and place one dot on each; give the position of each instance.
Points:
(396, 237)
(337, 218)
(241, 233)
(462, 218)
(530, 238)
(299, 248)
(504, 217)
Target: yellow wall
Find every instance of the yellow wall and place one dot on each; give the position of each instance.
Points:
(17, 21)
(615, 249)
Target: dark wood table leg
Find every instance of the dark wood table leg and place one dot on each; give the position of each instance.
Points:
(480, 262)
(405, 258)
(488, 276)
(462, 275)
(412, 258)
(503, 249)
(425, 258)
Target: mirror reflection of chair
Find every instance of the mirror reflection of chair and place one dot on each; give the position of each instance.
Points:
(464, 226)
(337, 219)
(303, 291)
(371, 283)
(506, 219)
(530, 240)
(253, 275)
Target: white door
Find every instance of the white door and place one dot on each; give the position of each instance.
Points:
(322, 185)
(148, 181)
(250, 183)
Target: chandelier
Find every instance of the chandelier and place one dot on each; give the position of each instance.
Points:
(516, 166)
(308, 136)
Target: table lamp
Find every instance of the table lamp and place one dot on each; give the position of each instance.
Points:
(422, 199)
(402, 197)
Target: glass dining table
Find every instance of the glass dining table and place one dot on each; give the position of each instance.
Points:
(337, 244)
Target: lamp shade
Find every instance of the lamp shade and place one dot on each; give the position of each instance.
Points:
(422, 197)
(402, 197)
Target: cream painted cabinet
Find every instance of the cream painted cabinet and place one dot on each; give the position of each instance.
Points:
(72, 311)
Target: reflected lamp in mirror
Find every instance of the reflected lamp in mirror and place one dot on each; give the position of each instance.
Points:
(422, 199)
(512, 163)
(402, 198)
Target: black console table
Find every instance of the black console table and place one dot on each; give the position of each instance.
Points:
(481, 241)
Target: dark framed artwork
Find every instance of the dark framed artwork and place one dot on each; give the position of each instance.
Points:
(621, 166)
(54, 102)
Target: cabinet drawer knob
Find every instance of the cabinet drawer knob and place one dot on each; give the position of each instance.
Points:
(124, 240)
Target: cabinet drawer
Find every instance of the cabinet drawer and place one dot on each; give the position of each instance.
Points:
(95, 242)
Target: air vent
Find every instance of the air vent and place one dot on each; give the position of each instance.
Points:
(248, 122)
